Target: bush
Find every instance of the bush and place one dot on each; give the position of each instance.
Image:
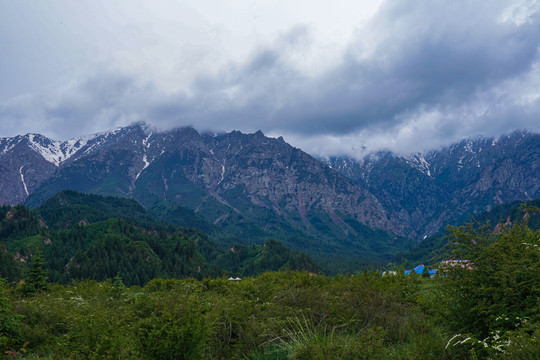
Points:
(497, 293)
(10, 329)
(173, 336)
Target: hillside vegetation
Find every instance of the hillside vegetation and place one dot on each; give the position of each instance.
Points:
(485, 310)
(434, 248)
(93, 237)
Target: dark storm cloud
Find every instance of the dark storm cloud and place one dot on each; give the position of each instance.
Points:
(421, 59)
(422, 72)
(100, 101)
(425, 56)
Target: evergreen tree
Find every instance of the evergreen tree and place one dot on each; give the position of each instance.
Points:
(8, 267)
(36, 276)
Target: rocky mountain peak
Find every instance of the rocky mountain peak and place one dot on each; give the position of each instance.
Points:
(231, 174)
(449, 185)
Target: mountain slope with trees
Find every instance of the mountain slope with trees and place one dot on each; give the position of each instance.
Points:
(87, 242)
(435, 248)
(488, 310)
(246, 188)
(447, 186)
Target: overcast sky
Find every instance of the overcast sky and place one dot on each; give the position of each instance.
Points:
(330, 77)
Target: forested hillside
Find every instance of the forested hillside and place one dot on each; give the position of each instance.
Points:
(240, 188)
(488, 310)
(93, 237)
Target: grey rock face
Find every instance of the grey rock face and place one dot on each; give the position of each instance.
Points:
(241, 171)
(408, 195)
(450, 185)
(22, 168)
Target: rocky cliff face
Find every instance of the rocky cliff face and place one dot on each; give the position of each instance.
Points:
(239, 177)
(450, 185)
(260, 171)
(228, 176)
(22, 168)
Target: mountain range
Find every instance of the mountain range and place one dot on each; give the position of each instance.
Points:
(249, 187)
(450, 185)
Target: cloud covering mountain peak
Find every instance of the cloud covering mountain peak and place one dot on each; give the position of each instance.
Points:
(408, 77)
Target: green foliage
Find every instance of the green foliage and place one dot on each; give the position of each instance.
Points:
(358, 247)
(69, 208)
(489, 310)
(8, 268)
(182, 216)
(86, 241)
(18, 222)
(176, 334)
(35, 280)
(118, 287)
(497, 294)
(279, 315)
(271, 256)
(433, 249)
(304, 341)
(114, 247)
(10, 330)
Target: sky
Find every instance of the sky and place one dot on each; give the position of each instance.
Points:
(340, 77)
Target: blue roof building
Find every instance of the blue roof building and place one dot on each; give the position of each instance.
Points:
(419, 270)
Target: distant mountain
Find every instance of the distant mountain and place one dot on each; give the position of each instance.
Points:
(250, 186)
(26, 162)
(247, 188)
(448, 186)
(433, 249)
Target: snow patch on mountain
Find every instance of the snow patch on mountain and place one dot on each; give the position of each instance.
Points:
(22, 179)
(146, 143)
(419, 162)
(146, 147)
(8, 144)
(56, 152)
(222, 174)
(146, 164)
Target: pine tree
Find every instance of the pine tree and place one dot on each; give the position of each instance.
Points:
(118, 287)
(36, 276)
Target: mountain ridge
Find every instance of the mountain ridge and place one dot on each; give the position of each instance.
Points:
(440, 187)
(258, 187)
(251, 186)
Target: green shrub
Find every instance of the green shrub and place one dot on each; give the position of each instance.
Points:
(492, 298)
(179, 334)
(10, 329)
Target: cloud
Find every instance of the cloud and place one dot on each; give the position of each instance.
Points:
(415, 76)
